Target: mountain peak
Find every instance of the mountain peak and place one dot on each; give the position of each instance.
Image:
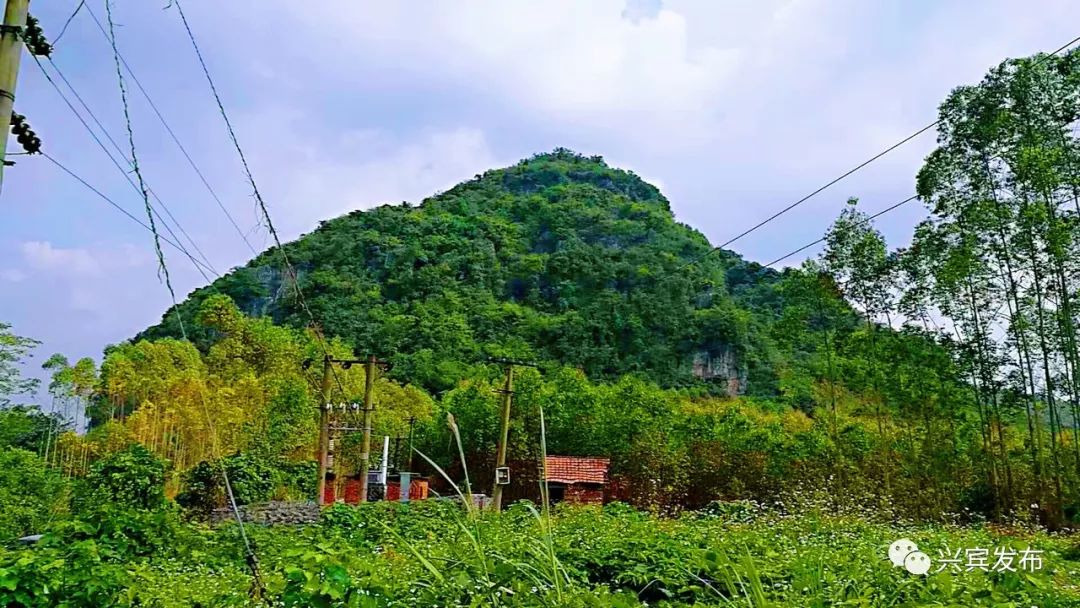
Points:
(563, 166)
(559, 258)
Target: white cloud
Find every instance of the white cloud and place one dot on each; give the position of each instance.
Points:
(357, 169)
(81, 262)
(41, 255)
(567, 60)
(12, 275)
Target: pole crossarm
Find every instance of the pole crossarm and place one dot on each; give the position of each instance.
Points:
(330, 424)
(509, 361)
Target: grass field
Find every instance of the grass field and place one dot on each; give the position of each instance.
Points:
(434, 554)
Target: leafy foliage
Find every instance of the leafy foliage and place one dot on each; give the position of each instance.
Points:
(31, 495)
(27, 427)
(132, 478)
(387, 554)
(560, 258)
(13, 349)
(938, 382)
(251, 479)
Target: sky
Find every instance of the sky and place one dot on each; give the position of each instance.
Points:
(733, 108)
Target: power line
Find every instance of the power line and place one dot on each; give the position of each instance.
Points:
(112, 203)
(859, 223)
(175, 138)
(78, 8)
(138, 173)
(847, 173)
(290, 270)
(288, 267)
(123, 155)
(250, 553)
(198, 264)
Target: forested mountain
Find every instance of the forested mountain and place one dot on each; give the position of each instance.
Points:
(560, 259)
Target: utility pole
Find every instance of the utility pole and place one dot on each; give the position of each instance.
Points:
(10, 52)
(502, 473)
(324, 429)
(327, 428)
(365, 447)
(504, 435)
(412, 423)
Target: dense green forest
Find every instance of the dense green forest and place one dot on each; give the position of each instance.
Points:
(560, 259)
(931, 390)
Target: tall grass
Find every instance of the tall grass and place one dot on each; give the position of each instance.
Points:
(557, 572)
(540, 563)
(545, 571)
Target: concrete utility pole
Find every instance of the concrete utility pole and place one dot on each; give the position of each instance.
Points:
(504, 429)
(327, 429)
(10, 52)
(412, 422)
(324, 429)
(365, 447)
(504, 435)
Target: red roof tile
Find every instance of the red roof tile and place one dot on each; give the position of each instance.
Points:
(577, 469)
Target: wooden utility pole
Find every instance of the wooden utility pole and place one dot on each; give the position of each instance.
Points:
(324, 429)
(504, 435)
(10, 52)
(365, 447)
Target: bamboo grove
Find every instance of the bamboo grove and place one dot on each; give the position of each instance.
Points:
(249, 393)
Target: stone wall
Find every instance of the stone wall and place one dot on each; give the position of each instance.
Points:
(271, 513)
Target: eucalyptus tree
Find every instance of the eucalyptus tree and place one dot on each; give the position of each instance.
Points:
(943, 367)
(957, 284)
(857, 258)
(13, 350)
(72, 387)
(1003, 179)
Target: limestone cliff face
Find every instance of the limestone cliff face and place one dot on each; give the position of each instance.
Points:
(723, 368)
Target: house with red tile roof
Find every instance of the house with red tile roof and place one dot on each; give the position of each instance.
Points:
(577, 479)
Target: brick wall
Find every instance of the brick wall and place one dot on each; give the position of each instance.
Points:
(418, 490)
(583, 494)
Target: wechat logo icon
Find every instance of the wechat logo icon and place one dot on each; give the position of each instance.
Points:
(906, 554)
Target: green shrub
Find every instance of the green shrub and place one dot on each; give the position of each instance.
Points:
(30, 493)
(132, 478)
(252, 480)
(298, 480)
(27, 427)
(432, 554)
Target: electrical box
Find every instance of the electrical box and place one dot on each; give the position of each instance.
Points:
(502, 476)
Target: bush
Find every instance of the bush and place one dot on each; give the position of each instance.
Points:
(27, 427)
(30, 493)
(132, 478)
(252, 480)
(119, 533)
(298, 480)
